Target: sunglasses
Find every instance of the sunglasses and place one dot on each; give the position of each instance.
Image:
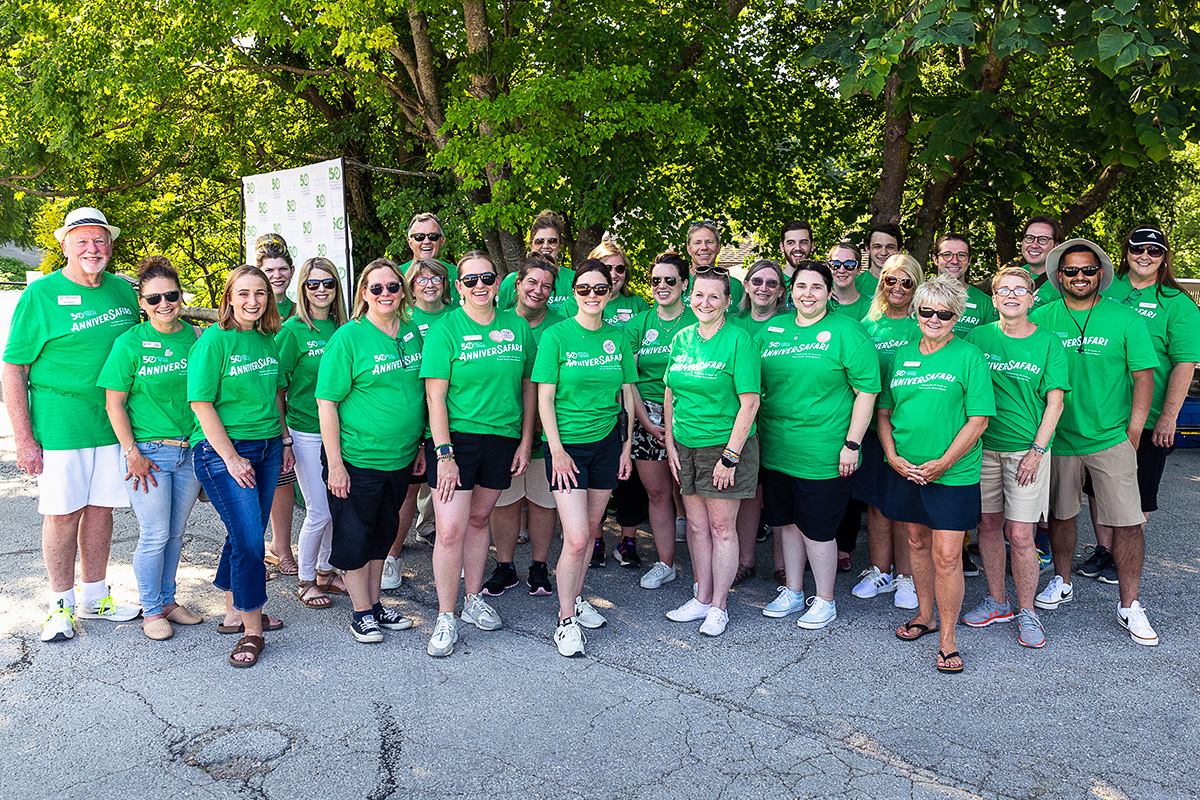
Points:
(155, 299)
(1152, 249)
(1071, 272)
(377, 288)
(892, 280)
(1004, 291)
(427, 280)
(600, 289)
(317, 283)
(944, 316)
(420, 237)
(713, 269)
(845, 266)
(538, 242)
(770, 283)
(618, 268)
(661, 279)
(469, 281)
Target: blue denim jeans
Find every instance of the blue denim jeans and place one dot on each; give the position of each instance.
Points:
(245, 513)
(162, 514)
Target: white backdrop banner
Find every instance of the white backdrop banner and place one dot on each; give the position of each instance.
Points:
(307, 207)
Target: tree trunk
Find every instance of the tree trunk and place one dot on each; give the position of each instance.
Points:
(1007, 252)
(586, 239)
(938, 192)
(896, 153)
(1091, 200)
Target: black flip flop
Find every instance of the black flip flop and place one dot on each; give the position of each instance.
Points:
(944, 657)
(910, 626)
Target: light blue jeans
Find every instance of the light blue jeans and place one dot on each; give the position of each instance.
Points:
(162, 514)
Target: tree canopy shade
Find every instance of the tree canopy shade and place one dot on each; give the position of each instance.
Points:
(627, 116)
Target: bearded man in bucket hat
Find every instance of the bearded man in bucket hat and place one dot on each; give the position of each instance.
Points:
(62, 331)
(1110, 360)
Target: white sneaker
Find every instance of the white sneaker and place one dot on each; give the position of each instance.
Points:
(60, 625)
(785, 603)
(1055, 594)
(820, 613)
(391, 573)
(690, 611)
(570, 638)
(681, 529)
(1133, 619)
(445, 634)
(873, 582)
(906, 592)
(714, 622)
(106, 608)
(659, 574)
(477, 612)
(587, 615)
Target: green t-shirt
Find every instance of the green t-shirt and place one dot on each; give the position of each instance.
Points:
(866, 282)
(285, 307)
(619, 311)
(746, 321)
(651, 339)
(809, 376)
(1043, 293)
(485, 365)
(64, 331)
(455, 298)
(705, 379)
(551, 319)
(424, 320)
(238, 372)
(300, 351)
(588, 368)
(888, 335)
(855, 311)
(152, 368)
(931, 397)
(1173, 321)
(979, 311)
(1114, 342)
(562, 295)
(1023, 373)
(375, 380)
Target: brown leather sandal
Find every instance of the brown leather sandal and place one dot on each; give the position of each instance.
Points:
(325, 583)
(284, 566)
(253, 645)
(310, 594)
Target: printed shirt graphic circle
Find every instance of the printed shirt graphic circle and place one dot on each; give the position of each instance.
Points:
(496, 336)
(651, 335)
(610, 346)
(824, 336)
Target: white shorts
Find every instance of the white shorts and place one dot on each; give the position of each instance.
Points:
(72, 479)
(530, 485)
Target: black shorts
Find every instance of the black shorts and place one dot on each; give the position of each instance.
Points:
(870, 479)
(1151, 462)
(630, 501)
(597, 463)
(365, 523)
(934, 505)
(483, 459)
(815, 507)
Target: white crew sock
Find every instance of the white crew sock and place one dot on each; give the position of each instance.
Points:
(67, 598)
(96, 590)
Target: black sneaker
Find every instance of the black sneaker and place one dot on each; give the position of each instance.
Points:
(1109, 574)
(970, 570)
(764, 533)
(627, 554)
(366, 629)
(539, 579)
(598, 555)
(1099, 557)
(390, 619)
(504, 577)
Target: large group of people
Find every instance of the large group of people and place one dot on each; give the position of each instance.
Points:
(507, 407)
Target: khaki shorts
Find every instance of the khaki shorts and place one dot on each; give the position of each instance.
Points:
(999, 490)
(1114, 477)
(696, 469)
(72, 479)
(531, 485)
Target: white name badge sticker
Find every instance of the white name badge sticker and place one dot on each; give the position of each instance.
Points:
(912, 363)
(773, 329)
(972, 305)
(472, 337)
(408, 336)
(70, 300)
(157, 345)
(1147, 305)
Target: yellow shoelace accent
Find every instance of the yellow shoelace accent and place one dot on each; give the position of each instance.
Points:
(68, 610)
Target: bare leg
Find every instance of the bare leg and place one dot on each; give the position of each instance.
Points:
(283, 507)
(408, 512)
(506, 527)
(722, 522)
(920, 548)
(1129, 549)
(1025, 565)
(991, 551)
(948, 583)
(478, 538)
(748, 517)
(880, 540)
(541, 522)
(580, 512)
(656, 477)
(1063, 537)
(792, 543)
(823, 557)
(448, 548)
(700, 546)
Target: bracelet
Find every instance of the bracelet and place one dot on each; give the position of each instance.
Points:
(731, 456)
(444, 451)
(128, 449)
(1037, 448)
(287, 442)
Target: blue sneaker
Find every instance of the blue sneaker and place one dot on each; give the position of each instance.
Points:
(785, 603)
(1045, 562)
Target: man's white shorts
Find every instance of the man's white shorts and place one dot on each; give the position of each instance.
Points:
(72, 479)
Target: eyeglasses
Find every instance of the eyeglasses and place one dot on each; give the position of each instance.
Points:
(1153, 250)
(377, 288)
(660, 279)
(713, 268)
(469, 281)
(538, 242)
(1004, 291)
(1031, 239)
(427, 280)
(1071, 272)
(600, 289)
(954, 256)
(155, 299)
(845, 266)
(892, 280)
(770, 283)
(317, 283)
(420, 237)
(944, 316)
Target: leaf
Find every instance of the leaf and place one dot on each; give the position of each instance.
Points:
(1111, 41)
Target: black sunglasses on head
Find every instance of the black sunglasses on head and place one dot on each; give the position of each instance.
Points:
(944, 316)
(317, 283)
(155, 299)
(1071, 272)
(377, 288)
(469, 281)
(420, 237)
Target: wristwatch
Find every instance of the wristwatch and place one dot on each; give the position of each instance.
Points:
(725, 462)
(852, 445)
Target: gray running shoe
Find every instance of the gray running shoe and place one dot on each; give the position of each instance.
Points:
(987, 612)
(1029, 629)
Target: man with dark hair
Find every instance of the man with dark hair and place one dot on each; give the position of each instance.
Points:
(952, 257)
(883, 241)
(795, 244)
(1111, 361)
(1039, 236)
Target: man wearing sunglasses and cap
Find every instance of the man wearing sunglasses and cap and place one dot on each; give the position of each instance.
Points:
(1111, 360)
(62, 331)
